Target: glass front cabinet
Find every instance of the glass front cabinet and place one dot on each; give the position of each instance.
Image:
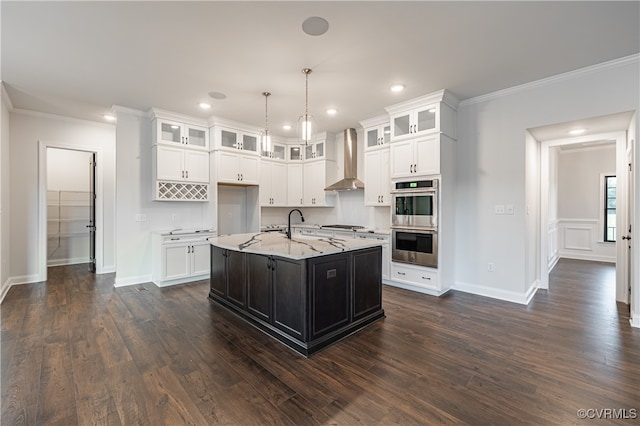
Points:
(176, 133)
(424, 115)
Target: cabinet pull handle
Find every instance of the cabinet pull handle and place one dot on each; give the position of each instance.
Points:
(186, 174)
(188, 249)
(426, 278)
(401, 273)
(382, 198)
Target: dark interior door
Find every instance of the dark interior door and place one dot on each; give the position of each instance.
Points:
(92, 213)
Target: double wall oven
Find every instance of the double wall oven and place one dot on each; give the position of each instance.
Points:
(414, 222)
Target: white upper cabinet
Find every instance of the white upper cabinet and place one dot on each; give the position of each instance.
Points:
(377, 178)
(277, 151)
(295, 185)
(295, 152)
(415, 157)
(273, 183)
(234, 168)
(180, 165)
(414, 122)
(171, 132)
(314, 150)
(377, 132)
(238, 140)
(433, 113)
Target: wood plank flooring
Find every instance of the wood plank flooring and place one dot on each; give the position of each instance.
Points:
(76, 350)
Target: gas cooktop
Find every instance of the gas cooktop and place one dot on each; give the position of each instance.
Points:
(352, 227)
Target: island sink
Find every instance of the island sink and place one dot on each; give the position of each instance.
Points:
(305, 292)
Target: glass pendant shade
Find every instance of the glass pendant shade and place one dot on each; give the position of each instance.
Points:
(265, 135)
(306, 128)
(265, 141)
(306, 123)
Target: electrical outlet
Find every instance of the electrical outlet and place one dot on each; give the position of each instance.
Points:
(499, 208)
(140, 217)
(490, 266)
(509, 209)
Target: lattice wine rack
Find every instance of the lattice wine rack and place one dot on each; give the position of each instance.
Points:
(174, 191)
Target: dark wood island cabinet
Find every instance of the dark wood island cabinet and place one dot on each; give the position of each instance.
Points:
(307, 302)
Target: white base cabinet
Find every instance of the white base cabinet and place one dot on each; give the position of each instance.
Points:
(180, 258)
(416, 278)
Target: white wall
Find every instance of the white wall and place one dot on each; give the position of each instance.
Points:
(5, 225)
(26, 130)
(134, 196)
(67, 170)
(580, 202)
(491, 154)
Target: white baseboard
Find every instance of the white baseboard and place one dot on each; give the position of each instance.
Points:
(181, 281)
(62, 262)
(4, 289)
(415, 288)
(553, 262)
(587, 256)
(496, 293)
(122, 282)
(107, 269)
(634, 320)
(22, 279)
(533, 289)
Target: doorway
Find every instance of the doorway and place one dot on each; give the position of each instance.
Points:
(587, 233)
(70, 207)
(70, 200)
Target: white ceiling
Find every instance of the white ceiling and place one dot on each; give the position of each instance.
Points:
(80, 58)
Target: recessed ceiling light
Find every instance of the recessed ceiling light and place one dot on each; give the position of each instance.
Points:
(315, 26)
(109, 117)
(397, 88)
(217, 95)
(204, 105)
(286, 127)
(332, 111)
(575, 132)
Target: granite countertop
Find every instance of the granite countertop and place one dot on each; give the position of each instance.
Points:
(299, 247)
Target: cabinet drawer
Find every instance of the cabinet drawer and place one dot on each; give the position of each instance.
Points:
(424, 277)
(183, 238)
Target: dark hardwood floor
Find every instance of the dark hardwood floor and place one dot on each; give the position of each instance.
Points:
(78, 351)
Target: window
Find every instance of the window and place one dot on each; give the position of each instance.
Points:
(610, 208)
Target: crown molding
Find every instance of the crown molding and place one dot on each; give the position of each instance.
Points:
(626, 60)
(57, 117)
(118, 109)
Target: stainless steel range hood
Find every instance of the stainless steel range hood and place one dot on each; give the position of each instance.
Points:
(350, 181)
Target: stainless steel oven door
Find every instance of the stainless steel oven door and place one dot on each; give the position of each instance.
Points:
(416, 246)
(415, 209)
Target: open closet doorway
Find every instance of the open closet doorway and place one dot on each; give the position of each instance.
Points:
(71, 207)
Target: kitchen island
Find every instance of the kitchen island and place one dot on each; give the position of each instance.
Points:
(307, 292)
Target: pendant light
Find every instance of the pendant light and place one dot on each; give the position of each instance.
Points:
(265, 135)
(306, 122)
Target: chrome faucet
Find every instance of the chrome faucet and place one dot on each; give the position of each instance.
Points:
(289, 221)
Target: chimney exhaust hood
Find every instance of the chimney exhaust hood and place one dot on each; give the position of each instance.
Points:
(350, 181)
